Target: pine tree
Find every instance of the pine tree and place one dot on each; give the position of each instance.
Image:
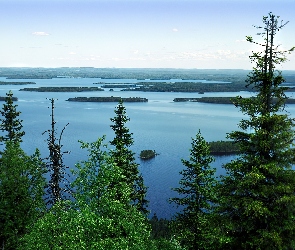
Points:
(196, 196)
(10, 122)
(124, 157)
(258, 202)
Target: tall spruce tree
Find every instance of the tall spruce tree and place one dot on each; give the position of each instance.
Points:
(196, 196)
(10, 123)
(124, 158)
(258, 202)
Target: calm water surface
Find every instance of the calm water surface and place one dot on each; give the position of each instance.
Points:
(160, 124)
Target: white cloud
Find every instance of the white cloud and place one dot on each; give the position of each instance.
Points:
(175, 30)
(72, 53)
(40, 33)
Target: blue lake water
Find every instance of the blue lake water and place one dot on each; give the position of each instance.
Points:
(160, 124)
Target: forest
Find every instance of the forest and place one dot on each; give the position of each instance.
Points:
(252, 206)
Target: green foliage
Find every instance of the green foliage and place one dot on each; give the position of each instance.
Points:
(147, 154)
(223, 147)
(124, 158)
(160, 228)
(10, 122)
(258, 202)
(21, 191)
(196, 195)
(97, 219)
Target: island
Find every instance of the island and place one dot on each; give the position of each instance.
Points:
(3, 98)
(16, 83)
(114, 86)
(62, 89)
(147, 154)
(224, 147)
(107, 99)
(220, 100)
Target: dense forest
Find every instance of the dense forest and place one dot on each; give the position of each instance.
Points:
(252, 206)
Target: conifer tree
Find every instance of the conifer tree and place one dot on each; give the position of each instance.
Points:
(10, 123)
(58, 185)
(196, 196)
(21, 180)
(21, 193)
(258, 202)
(124, 157)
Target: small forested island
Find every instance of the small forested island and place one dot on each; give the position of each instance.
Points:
(223, 147)
(114, 86)
(219, 100)
(16, 83)
(147, 154)
(62, 89)
(4, 98)
(107, 99)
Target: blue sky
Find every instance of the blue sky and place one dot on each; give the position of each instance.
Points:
(137, 33)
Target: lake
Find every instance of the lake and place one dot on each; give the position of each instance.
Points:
(160, 124)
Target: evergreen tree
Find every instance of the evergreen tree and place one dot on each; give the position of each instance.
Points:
(10, 122)
(58, 185)
(21, 193)
(258, 202)
(196, 196)
(124, 158)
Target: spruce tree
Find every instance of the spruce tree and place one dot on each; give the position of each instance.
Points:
(196, 196)
(258, 202)
(124, 158)
(10, 123)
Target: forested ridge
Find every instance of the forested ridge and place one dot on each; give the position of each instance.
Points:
(105, 206)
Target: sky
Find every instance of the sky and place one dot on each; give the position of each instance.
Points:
(203, 34)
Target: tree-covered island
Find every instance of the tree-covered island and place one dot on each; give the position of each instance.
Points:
(107, 99)
(221, 100)
(4, 98)
(16, 83)
(223, 147)
(62, 89)
(147, 154)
